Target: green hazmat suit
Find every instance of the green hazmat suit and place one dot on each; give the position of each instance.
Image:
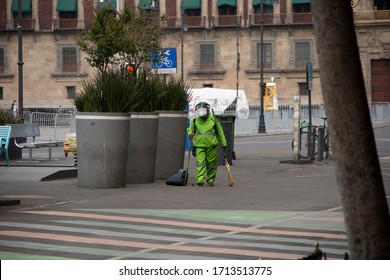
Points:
(208, 133)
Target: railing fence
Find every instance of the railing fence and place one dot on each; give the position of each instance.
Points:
(52, 126)
(55, 126)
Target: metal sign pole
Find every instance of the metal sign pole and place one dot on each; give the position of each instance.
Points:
(309, 83)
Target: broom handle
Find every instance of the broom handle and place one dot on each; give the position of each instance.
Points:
(189, 155)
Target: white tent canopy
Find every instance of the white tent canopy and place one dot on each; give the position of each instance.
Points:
(219, 100)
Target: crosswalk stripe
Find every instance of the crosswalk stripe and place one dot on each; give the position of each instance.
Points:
(99, 252)
(214, 242)
(191, 224)
(145, 245)
(147, 235)
(197, 233)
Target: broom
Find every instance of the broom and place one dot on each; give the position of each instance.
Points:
(230, 176)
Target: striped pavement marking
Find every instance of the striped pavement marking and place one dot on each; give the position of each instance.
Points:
(79, 234)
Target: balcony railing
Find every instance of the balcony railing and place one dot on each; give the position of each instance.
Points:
(202, 22)
(256, 19)
(171, 22)
(196, 22)
(224, 21)
(302, 18)
(192, 22)
(65, 24)
(27, 24)
(373, 15)
(3, 24)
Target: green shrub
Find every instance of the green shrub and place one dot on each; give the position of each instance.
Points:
(6, 117)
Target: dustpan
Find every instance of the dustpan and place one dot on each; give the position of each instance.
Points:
(181, 177)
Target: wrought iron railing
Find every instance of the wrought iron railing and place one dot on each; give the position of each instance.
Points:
(205, 22)
(372, 15)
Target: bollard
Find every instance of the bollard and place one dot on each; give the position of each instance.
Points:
(312, 144)
(320, 140)
(297, 135)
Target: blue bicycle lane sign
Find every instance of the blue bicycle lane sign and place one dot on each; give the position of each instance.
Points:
(165, 63)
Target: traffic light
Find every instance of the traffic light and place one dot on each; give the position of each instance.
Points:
(129, 69)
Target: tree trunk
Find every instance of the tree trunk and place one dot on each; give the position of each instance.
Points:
(358, 171)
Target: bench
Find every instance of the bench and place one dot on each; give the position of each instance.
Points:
(29, 132)
(5, 132)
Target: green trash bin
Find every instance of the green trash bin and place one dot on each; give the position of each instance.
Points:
(227, 123)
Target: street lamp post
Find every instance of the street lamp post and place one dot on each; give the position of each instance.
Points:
(184, 28)
(262, 85)
(20, 60)
(238, 62)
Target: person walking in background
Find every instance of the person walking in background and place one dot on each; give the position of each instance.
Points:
(14, 109)
(206, 132)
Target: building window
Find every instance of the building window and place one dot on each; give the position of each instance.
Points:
(1, 93)
(301, 7)
(26, 9)
(71, 92)
(226, 10)
(2, 60)
(267, 55)
(26, 14)
(267, 9)
(68, 15)
(193, 12)
(68, 61)
(382, 4)
(149, 4)
(207, 56)
(302, 54)
(105, 5)
(303, 89)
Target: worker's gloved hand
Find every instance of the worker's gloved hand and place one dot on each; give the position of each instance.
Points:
(224, 151)
(191, 136)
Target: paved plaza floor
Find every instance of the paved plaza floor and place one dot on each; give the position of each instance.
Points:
(275, 210)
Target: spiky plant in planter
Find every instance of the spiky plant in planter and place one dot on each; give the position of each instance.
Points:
(173, 95)
(6, 117)
(112, 92)
(108, 92)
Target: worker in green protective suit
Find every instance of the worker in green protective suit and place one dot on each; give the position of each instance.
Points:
(206, 132)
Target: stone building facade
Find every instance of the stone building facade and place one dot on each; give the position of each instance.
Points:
(217, 43)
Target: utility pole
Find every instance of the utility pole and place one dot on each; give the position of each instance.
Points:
(262, 85)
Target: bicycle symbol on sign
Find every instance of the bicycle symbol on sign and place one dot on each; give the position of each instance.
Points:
(165, 61)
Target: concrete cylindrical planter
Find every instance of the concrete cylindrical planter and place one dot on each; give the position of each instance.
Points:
(13, 151)
(171, 140)
(102, 141)
(141, 155)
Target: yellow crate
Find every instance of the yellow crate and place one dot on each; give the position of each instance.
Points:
(70, 144)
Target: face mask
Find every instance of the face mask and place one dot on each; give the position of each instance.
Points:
(201, 112)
